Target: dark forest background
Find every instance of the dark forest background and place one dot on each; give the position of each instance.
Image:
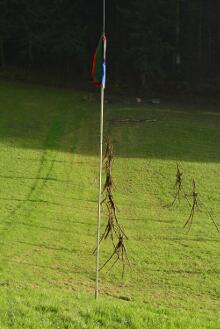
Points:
(171, 45)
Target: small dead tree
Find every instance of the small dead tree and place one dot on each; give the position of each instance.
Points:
(197, 205)
(113, 228)
(194, 206)
(208, 211)
(178, 188)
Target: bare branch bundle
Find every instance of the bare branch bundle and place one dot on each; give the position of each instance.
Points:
(120, 252)
(113, 228)
(208, 211)
(178, 188)
(108, 162)
(108, 156)
(110, 228)
(196, 205)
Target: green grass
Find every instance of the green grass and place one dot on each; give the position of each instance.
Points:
(48, 205)
(55, 309)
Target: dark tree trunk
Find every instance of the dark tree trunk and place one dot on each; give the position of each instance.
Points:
(30, 48)
(2, 54)
(200, 34)
(178, 55)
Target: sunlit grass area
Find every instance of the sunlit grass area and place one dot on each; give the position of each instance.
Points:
(48, 206)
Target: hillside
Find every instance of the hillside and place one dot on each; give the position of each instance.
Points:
(48, 205)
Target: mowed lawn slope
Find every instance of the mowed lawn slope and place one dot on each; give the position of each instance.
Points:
(48, 204)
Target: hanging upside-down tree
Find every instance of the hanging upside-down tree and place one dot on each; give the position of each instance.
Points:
(113, 227)
(178, 188)
(193, 199)
(197, 204)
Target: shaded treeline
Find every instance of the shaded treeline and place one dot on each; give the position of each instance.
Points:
(160, 43)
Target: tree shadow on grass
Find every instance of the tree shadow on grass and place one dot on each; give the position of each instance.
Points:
(50, 119)
(22, 178)
(180, 239)
(6, 259)
(39, 245)
(188, 272)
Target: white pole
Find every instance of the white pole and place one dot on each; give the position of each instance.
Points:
(100, 170)
(100, 194)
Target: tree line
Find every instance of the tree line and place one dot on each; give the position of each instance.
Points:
(151, 43)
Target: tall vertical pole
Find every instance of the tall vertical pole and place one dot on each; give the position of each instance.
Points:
(100, 171)
(178, 55)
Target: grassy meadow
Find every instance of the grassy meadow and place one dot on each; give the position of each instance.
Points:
(49, 141)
